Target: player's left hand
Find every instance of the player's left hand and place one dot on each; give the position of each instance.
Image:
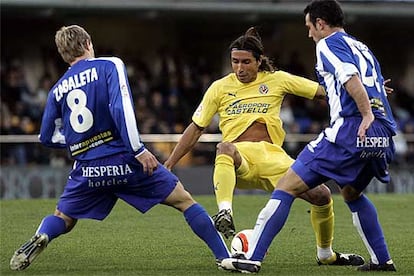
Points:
(149, 162)
(388, 89)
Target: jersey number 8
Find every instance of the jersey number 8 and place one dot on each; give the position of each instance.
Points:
(81, 118)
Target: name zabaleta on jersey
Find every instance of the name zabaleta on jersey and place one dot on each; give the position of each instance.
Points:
(74, 82)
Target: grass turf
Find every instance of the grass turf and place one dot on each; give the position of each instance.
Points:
(160, 243)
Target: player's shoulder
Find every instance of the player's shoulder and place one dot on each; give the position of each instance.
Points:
(116, 61)
(335, 36)
(336, 39)
(225, 80)
(230, 77)
(273, 75)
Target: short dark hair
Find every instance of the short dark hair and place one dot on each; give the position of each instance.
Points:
(328, 10)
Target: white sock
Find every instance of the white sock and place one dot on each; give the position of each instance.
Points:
(225, 205)
(324, 253)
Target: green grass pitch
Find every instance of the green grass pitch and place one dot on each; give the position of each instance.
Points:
(160, 243)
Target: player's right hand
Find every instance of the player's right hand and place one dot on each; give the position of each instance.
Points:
(149, 162)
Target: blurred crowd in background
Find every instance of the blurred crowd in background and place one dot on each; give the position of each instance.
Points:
(166, 93)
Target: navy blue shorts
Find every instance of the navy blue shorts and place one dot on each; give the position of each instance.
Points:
(94, 186)
(347, 160)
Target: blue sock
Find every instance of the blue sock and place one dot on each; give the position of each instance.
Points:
(202, 225)
(270, 221)
(53, 226)
(365, 219)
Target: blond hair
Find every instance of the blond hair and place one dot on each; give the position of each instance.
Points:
(71, 42)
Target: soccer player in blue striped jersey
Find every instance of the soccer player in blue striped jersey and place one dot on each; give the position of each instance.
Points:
(90, 112)
(356, 147)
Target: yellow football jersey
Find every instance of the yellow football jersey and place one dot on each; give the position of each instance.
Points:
(240, 104)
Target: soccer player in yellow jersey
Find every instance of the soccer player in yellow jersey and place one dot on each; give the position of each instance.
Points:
(251, 156)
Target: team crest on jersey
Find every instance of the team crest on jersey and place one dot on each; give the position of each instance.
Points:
(263, 89)
(124, 91)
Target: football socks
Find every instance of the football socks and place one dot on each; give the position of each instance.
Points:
(52, 226)
(365, 219)
(269, 222)
(202, 225)
(322, 218)
(224, 178)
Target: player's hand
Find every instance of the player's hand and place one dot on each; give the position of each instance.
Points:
(149, 162)
(388, 89)
(365, 124)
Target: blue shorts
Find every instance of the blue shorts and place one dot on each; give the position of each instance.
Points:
(347, 160)
(94, 186)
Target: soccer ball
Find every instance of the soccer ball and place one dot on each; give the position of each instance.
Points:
(240, 242)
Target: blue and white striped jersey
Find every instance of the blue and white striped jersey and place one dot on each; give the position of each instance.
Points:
(339, 57)
(90, 111)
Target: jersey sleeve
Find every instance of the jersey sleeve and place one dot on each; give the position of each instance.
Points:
(336, 58)
(51, 132)
(208, 107)
(121, 106)
(299, 86)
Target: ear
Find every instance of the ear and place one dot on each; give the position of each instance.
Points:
(321, 23)
(88, 45)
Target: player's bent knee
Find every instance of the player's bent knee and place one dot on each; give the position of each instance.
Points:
(349, 193)
(292, 184)
(320, 195)
(324, 193)
(226, 148)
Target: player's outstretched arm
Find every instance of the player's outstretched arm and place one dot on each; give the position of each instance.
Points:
(187, 141)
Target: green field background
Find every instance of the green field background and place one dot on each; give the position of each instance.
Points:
(161, 243)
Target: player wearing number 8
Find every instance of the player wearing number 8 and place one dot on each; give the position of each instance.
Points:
(90, 112)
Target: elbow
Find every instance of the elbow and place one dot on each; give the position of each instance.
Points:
(197, 127)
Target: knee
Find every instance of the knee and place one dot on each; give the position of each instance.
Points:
(349, 193)
(294, 185)
(180, 198)
(320, 195)
(184, 201)
(226, 148)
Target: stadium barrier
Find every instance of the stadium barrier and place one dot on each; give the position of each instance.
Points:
(155, 138)
(41, 181)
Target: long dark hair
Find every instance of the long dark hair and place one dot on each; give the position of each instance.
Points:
(252, 42)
